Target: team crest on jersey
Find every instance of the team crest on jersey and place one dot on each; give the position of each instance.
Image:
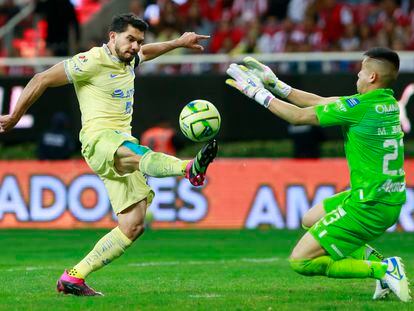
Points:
(352, 102)
(83, 58)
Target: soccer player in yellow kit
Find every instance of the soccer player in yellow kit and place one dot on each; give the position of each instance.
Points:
(103, 78)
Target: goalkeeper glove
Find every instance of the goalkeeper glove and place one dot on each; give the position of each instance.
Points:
(267, 76)
(248, 84)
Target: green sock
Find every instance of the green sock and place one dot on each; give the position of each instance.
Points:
(367, 252)
(159, 164)
(341, 269)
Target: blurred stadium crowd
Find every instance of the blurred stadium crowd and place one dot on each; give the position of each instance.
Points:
(236, 26)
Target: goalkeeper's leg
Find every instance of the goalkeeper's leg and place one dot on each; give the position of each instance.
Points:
(309, 258)
(365, 252)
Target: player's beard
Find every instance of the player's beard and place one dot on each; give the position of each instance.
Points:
(121, 57)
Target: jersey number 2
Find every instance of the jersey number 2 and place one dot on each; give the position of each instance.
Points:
(390, 156)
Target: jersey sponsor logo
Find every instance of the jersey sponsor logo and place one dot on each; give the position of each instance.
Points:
(386, 108)
(352, 102)
(390, 187)
(118, 93)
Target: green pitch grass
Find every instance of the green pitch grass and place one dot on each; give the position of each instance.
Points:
(183, 270)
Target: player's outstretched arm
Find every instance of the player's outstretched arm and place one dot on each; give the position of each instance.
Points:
(52, 77)
(305, 99)
(247, 83)
(278, 87)
(189, 40)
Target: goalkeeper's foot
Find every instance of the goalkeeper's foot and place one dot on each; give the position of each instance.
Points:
(396, 278)
(75, 286)
(196, 168)
(381, 290)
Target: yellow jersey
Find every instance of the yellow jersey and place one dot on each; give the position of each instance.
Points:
(104, 87)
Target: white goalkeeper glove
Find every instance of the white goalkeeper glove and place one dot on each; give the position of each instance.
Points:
(267, 76)
(247, 83)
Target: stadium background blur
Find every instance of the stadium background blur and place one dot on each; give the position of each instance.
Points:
(315, 45)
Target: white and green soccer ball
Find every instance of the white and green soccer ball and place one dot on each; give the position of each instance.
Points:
(200, 120)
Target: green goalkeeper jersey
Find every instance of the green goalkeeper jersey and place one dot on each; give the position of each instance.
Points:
(373, 144)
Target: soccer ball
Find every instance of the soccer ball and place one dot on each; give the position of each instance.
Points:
(200, 120)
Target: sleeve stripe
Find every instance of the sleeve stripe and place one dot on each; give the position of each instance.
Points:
(66, 65)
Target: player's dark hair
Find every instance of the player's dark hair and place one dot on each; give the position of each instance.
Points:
(120, 23)
(384, 54)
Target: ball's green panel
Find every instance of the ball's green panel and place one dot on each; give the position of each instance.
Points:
(200, 120)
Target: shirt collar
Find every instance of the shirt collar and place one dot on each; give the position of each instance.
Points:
(108, 52)
(382, 90)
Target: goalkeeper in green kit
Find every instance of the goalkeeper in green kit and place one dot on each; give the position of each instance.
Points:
(340, 226)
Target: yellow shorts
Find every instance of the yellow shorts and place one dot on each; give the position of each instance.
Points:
(123, 190)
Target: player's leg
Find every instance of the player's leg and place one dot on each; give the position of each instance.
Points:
(108, 248)
(366, 252)
(131, 156)
(340, 233)
(310, 258)
(313, 215)
(317, 212)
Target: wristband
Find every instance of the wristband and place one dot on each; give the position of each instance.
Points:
(263, 97)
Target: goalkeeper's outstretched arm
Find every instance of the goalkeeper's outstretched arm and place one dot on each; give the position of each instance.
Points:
(278, 87)
(251, 86)
(304, 99)
(293, 114)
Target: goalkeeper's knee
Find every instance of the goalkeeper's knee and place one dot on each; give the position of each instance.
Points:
(300, 265)
(311, 267)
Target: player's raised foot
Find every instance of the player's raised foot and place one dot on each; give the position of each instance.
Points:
(381, 290)
(70, 285)
(196, 168)
(396, 279)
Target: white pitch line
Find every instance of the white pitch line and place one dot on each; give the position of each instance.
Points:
(24, 269)
(204, 262)
(163, 263)
(205, 296)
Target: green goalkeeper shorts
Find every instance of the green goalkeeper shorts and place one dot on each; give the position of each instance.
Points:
(349, 225)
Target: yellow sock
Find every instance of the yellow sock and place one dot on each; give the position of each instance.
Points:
(108, 248)
(158, 164)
